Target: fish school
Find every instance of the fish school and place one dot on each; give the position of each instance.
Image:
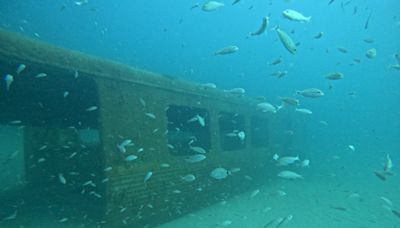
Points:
(110, 143)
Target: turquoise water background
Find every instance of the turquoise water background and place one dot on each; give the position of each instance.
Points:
(169, 37)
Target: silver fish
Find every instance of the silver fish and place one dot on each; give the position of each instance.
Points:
(286, 174)
(61, 178)
(219, 173)
(198, 118)
(371, 53)
(198, 149)
(195, 158)
(9, 80)
(304, 111)
(147, 176)
(334, 76)
(266, 107)
(188, 178)
(279, 74)
(92, 108)
(208, 86)
(150, 115)
(227, 50)
(41, 75)
(131, 157)
(289, 101)
(239, 91)
(284, 161)
(212, 6)
(262, 28)
(20, 68)
(295, 16)
(287, 41)
(235, 2)
(311, 92)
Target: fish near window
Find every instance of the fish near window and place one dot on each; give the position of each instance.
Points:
(232, 131)
(259, 131)
(57, 98)
(188, 130)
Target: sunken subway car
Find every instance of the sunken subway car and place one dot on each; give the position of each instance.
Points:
(108, 143)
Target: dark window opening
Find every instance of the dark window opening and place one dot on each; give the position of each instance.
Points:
(188, 128)
(59, 155)
(49, 98)
(259, 132)
(232, 131)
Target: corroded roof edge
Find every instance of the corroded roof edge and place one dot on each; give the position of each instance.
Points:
(21, 48)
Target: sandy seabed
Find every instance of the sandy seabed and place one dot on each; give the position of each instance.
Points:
(324, 201)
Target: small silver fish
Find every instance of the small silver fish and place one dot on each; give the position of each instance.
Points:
(107, 169)
(227, 50)
(235, 2)
(195, 158)
(342, 49)
(334, 76)
(388, 164)
(286, 174)
(9, 80)
(279, 74)
(188, 178)
(198, 149)
(266, 107)
(220, 173)
(289, 101)
(150, 115)
(76, 74)
(20, 68)
(371, 53)
(208, 86)
(212, 6)
(305, 163)
(92, 108)
(319, 35)
(81, 2)
(11, 217)
(241, 135)
(304, 111)
(274, 222)
(311, 93)
(41, 75)
(239, 91)
(142, 102)
(147, 176)
(262, 28)
(285, 161)
(131, 157)
(387, 201)
(287, 41)
(62, 178)
(295, 16)
(63, 220)
(127, 142)
(254, 193)
(199, 119)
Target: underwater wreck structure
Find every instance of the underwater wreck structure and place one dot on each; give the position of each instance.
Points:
(113, 142)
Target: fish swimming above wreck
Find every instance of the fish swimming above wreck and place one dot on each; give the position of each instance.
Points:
(199, 114)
